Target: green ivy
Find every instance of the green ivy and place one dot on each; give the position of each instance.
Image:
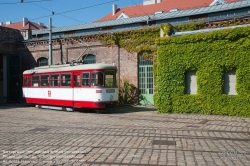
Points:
(211, 55)
(141, 41)
(189, 26)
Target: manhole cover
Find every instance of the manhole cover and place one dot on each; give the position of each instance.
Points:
(204, 122)
(39, 129)
(193, 126)
(163, 142)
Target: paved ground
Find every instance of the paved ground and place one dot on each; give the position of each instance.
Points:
(131, 136)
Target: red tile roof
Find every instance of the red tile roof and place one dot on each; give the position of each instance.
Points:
(165, 5)
(19, 26)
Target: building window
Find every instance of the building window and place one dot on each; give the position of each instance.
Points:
(69, 33)
(42, 61)
(149, 23)
(89, 59)
(144, 61)
(106, 29)
(198, 17)
(191, 82)
(230, 83)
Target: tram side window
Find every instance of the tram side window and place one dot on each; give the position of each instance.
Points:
(27, 82)
(110, 78)
(97, 79)
(65, 79)
(45, 80)
(35, 81)
(85, 79)
(54, 80)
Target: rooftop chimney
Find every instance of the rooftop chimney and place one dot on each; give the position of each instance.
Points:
(114, 9)
(8, 22)
(149, 2)
(25, 21)
(41, 24)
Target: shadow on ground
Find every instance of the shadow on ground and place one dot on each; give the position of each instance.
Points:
(13, 105)
(117, 110)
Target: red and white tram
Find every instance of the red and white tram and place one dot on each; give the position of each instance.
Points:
(71, 86)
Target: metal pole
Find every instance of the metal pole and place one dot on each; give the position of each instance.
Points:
(50, 42)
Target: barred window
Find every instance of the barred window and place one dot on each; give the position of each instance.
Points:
(89, 59)
(42, 61)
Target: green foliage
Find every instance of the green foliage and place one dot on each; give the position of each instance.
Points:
(211, 55)
(189, 26)
(128, 93)
(141, 41)
(167, 29)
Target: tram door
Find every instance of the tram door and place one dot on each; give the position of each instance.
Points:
(77, 92)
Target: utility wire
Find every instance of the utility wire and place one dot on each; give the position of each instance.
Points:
(140, 9)
(60, 13)
(11, 3)
(52, 12)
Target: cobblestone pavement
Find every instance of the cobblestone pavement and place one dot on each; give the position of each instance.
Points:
(131, 136)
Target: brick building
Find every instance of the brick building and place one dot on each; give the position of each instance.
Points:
(10, 65)
(11, 37)
(136, 70)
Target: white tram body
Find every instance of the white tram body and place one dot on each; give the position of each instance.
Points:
(75, 86)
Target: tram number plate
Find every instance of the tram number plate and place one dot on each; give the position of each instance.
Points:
(110, 91)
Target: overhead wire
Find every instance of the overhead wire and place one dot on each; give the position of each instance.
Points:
(11, 3)
(69, 11)
(140, 9)
(53, 13)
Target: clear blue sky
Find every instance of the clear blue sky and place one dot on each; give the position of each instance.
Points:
(41, 10)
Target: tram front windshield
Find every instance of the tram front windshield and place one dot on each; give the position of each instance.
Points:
(110, 79)
(106, 79)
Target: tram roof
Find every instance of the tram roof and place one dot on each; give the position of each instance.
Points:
(68, 67)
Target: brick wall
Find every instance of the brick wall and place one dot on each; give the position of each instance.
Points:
(7, 38)
(64, 51)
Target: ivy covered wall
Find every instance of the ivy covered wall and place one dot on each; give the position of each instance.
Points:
(210, 55)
